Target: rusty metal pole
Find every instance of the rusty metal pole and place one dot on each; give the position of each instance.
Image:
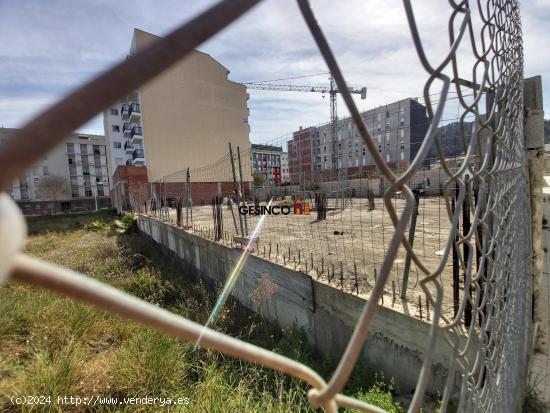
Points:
(236, 188)
(412, 230)
(466, 225)
(456, 290)
(241, 187)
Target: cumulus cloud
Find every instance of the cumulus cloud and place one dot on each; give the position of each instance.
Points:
(51, 47)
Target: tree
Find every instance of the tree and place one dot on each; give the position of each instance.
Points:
(53, 187)
(259, 179)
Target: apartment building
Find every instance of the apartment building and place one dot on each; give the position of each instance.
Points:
(397, 129)
(73, 176)
(122, 126)
(184, 118)
(267, 161)
(301, 155)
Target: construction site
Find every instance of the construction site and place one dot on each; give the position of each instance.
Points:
(407, 234)
(346, 248)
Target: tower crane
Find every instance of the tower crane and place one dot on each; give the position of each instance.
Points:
(331, 90)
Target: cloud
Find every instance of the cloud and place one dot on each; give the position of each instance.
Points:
(54, 46)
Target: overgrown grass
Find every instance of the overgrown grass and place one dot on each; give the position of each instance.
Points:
(50, 345)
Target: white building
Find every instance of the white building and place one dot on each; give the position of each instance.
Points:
(266, 161)
(124, 133)
(80, 163)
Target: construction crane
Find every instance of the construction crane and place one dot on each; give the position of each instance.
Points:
(331, 90)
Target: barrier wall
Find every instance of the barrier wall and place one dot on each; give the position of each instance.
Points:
(395, 344)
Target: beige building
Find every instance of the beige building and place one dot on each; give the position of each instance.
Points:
(73, 176)
(186, 117)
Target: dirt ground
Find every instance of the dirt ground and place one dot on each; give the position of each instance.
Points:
(347, 248)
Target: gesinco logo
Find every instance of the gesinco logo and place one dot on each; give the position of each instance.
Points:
(264, 210)
(299, 207)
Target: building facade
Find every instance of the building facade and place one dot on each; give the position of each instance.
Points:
(130, 188)
(397, 129)
(122, 126)
(74, 176)
(300, 155)
(266, 160)
(184, 118)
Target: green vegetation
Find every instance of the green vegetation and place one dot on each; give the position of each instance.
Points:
(533, 402)
(379, 395)
(50, 345)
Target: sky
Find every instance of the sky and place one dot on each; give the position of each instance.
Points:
(50, 47)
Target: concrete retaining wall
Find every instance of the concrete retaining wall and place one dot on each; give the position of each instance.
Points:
(395, 344)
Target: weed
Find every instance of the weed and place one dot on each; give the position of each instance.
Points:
(51, 345)
(380, 396)
(532, 401)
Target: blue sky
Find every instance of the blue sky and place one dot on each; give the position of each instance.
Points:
(49, 47)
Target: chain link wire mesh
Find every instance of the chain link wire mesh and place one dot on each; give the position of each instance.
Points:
(467, 262)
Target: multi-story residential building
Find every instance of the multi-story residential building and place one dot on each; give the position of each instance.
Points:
(183, 118)
(267, 161)
(72, 176)
(397, 129)
(300, 155)
(122, 126)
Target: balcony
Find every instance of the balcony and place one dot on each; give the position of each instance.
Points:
(136, 136)
(135, 112)
(127, 129)
(129, 162)
(125, 111)
(128, 148)
(138, 157)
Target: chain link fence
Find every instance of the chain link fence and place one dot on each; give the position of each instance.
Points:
(454, 244)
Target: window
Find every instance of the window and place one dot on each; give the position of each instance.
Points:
(117, 145)
(83, 148)
(97, 151)
(114, 111)
(45, 171)
(98, 171)
(100, 191)
(74, 191)
(86, 170)
(387, 114)
(402, 156)
(402, 133)
(88, 192)
(116, 128)
(70, 147)
(387, 157)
